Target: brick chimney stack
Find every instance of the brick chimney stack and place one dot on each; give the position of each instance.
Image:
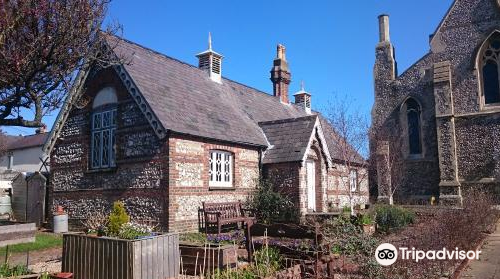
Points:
(280, 75)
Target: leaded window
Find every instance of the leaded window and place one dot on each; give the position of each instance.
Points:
(490, 73)
(221, 169)
(103, 139)
(413, 118)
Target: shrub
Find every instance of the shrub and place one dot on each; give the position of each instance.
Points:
(448, 228)
(95, 222)
(267, 262)
(271, 206)
(363, 219)
(390, 217)
(343, 236)
(117, 218)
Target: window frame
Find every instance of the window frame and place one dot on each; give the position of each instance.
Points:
(480, 64)
(418, 111)
(101, 129)
(230, 167)
(404, 124)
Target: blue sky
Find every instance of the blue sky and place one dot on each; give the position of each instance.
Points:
(330, 44)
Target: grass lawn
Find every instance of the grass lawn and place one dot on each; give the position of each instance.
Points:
(42, 241)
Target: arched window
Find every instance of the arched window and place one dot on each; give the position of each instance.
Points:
(103, 128)
(413, 118)
(490, 60)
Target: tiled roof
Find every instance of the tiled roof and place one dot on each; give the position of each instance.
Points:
(20, 142)
(187, 101)
(332, 138)
(289, 138)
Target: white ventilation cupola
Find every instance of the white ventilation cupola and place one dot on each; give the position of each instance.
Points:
(211, 62)
(303, 98)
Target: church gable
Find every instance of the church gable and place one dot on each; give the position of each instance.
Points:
(462, 14)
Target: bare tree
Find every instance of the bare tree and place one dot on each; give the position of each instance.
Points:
(395, 140)
(351, 128)
(43, 45)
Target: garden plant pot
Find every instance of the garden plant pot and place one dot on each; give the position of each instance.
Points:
(369, 229)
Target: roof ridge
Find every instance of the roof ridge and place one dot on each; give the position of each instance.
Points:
(276, 121)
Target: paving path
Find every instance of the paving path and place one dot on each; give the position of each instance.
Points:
(488, 265)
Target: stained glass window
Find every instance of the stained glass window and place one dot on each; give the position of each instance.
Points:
(490, 73)
(413, 116)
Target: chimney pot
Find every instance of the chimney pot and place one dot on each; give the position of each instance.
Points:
(383, 24)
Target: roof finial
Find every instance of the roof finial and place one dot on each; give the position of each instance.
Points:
(302, 85)
(209, 40)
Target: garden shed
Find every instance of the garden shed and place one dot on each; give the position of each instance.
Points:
(28, 197)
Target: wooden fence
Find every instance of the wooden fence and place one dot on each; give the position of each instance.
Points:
(89, 257)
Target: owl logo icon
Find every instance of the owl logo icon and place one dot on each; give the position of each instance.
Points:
(386, 254)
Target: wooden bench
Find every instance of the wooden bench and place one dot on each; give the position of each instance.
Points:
(224, 213)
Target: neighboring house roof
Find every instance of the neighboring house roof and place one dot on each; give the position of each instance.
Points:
(187, 101)
(21, 142)
(289, 138)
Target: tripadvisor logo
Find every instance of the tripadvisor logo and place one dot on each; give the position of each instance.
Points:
(386, 254)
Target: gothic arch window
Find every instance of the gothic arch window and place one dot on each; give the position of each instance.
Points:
(489, 68)
(103, 129)
(413, 118)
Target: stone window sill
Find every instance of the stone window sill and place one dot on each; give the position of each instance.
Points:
(221, 188)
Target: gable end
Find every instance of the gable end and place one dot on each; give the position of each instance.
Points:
(141, 101)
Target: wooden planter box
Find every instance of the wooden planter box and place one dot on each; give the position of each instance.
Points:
(91, 257)
(29, 276)
(15, 233)
(195, 257)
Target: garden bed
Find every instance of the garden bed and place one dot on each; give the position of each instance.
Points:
(154, 257)
(198, 259)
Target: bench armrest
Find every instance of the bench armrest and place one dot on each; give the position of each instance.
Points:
(212, 213)
(247, 212)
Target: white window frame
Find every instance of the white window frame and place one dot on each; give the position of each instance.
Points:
(353, 180)
(105, 125)
(226, 173)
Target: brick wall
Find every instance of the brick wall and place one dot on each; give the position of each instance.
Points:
(338, 189)
(189, 180)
